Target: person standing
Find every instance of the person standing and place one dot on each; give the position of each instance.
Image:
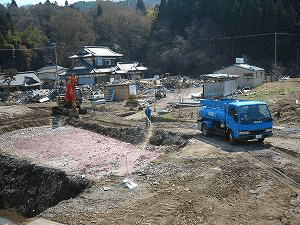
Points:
(148, 112)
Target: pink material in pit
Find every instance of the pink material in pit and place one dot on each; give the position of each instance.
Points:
(91, 152)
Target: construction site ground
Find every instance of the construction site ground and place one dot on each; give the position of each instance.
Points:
(182, 177)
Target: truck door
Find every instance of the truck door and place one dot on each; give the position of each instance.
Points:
(232, 120)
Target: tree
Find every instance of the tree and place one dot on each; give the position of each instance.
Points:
(66, 3)
(33, 37)
(5, 21)
(124, 29)
(162, 8)
(70, 28)
(13, 4)
(268, 16)
(140, 6)
(99, 10)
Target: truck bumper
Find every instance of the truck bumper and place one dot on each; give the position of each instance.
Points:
(255, 136)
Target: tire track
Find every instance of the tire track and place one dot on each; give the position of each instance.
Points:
(278, 173)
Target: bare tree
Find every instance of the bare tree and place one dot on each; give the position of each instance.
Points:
(71, 29)
(278, 72)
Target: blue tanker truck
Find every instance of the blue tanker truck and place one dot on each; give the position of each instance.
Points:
(235, 119)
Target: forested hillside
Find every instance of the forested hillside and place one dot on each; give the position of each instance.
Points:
(188, 37)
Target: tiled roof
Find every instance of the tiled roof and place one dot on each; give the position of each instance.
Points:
(127, 67)
(49, 69)
(96, 51)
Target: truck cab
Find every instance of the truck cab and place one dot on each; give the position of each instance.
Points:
(235, 119)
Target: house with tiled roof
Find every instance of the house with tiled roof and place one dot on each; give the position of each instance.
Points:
(97, 64)
(248, 75)
(128, 70)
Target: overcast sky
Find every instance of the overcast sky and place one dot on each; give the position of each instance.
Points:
(33, 2)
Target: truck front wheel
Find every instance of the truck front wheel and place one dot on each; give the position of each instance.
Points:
(261, 140)
(205, 130)
(231, 138)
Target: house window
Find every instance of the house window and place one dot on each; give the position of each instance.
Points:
(107, 62)
(89, 61)
(99, 61)
(248, 75)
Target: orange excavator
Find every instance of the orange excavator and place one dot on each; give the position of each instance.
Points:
(70, 103)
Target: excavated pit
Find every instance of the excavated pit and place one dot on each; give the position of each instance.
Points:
(30, 189)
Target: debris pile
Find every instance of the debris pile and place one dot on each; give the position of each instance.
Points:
(31, 96)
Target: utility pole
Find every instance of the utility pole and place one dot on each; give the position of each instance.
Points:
(275, 51)
(297, 59)
(56, 66)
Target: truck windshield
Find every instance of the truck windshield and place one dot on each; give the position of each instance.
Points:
(251, 113)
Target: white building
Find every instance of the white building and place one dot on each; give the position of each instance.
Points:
(248, 76)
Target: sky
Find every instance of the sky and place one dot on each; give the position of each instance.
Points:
(33, 2)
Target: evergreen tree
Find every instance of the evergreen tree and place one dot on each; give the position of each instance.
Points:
(162, 10)
(99, 10)
(226, 16)
(66, 3)
(13, 4)
(140, 6)
(179, 14)
(268, 16)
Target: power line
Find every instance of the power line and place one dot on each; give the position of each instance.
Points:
(243, 36)
(289, 34)
(252, 35)
(24, 49)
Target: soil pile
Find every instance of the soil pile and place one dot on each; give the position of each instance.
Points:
(14, 117)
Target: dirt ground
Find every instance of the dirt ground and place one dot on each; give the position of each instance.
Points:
(195, 180)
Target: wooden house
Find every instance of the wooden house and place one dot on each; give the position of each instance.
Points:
(93, 64)
(97, 64)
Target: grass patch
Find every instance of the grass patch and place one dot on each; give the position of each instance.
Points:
(267, 91)
(167, 118)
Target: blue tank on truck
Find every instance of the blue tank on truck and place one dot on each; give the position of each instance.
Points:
(235, 119)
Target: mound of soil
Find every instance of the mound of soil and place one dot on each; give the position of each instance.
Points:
(14, 117)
